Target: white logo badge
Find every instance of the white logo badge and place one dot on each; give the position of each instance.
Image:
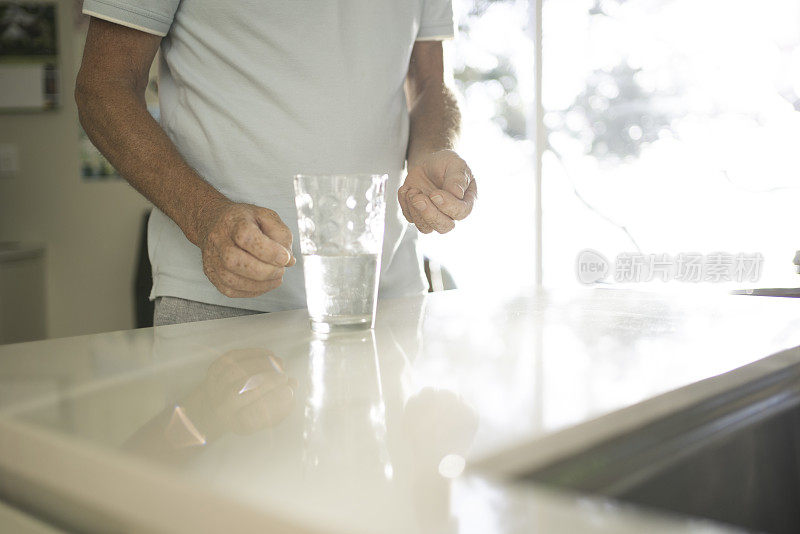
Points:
(591, 266)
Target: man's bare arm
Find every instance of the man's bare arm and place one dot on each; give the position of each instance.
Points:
(245, 248)
(433, 109)
(439, 188)
(110, 95)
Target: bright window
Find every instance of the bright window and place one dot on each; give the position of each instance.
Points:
(672, 127)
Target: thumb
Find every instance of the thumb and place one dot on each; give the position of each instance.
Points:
(457, 177)
(273, 227)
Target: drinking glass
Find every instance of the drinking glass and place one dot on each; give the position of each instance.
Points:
(341, 222)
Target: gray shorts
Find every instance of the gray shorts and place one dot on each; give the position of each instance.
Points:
(174, 310)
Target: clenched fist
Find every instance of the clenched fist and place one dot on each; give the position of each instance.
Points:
(438, 191)
(245, 249)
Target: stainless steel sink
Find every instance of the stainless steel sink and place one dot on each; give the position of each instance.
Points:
(734, 458)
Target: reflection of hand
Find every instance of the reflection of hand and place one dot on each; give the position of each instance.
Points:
(441, 426)
(438, 190)
(244, 390)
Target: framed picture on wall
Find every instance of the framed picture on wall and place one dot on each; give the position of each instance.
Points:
(28, 56)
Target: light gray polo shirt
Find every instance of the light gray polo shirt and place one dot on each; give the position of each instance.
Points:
(253, 92)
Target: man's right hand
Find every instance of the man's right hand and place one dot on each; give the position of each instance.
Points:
(245, 249)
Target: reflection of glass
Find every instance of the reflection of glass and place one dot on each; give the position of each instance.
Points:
(341, 222)
(345, 407)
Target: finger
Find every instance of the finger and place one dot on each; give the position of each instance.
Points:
(415, 181)
(431, 215)
(418, 179)
(457, 177)
(250, 237)
(272, 225)
(401, 199)
(246, 265)
(414, 216)
(235, 286)
(471, 194)
(451, 206)
(236, 294)
(403, 190)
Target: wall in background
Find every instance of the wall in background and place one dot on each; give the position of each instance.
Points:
(90, 229)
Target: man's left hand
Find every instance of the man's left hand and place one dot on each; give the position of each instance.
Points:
(438, 191)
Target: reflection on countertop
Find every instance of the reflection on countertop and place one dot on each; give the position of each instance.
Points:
(244, 390)
(374, 431)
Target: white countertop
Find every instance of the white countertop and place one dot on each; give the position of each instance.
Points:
(180, 429)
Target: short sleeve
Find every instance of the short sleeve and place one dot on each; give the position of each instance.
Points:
(151, 16)
(436, 22)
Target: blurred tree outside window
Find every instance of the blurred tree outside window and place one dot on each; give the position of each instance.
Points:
(672, 126)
